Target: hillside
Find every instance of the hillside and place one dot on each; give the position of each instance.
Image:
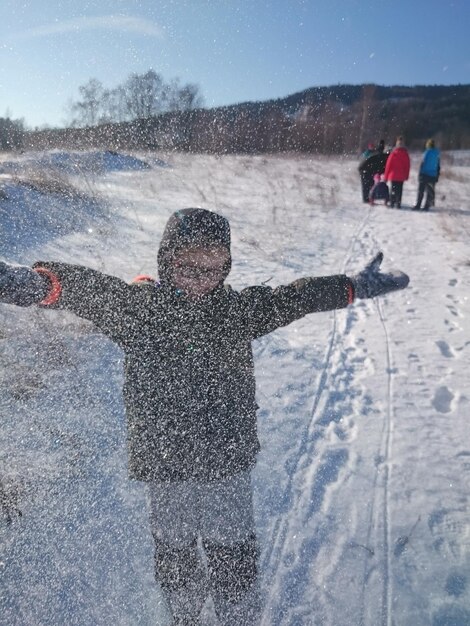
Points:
(361, 486)
(339, 119)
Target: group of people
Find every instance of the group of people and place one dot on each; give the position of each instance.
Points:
(379, 166)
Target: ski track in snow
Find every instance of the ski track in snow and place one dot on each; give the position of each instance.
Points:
(360, 488)
(322, 446)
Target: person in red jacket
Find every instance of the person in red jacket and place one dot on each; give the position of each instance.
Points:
(397, 170)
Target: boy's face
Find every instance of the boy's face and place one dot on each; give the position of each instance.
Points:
(197, 271)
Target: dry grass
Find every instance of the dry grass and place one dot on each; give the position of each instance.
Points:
(48, 182)
(455, 176)
(456, 229)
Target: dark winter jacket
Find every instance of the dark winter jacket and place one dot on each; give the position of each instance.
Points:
(397, 168)
(189, 385)
(373, 164)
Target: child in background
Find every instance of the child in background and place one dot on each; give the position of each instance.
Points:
(379, 190)
(189, 392)
(397, 171)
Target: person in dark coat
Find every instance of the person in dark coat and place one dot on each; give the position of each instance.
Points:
(397, 171)
(429, 172)
(373, 161)
(189, 393)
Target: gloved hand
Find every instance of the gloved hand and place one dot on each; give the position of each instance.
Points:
(21, 285)
(371, 282)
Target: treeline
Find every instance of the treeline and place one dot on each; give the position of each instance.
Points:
(140, 96)
(11, 134)
(330, 120)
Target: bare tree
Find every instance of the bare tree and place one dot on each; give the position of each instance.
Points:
(368, 92)
(115, 105)
(183, 98)
(88, 110)
(144, 95)
(141, 96)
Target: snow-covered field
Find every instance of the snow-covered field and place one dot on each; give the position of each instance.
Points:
(361, 489)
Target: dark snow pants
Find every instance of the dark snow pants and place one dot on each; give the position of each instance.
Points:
(426, 186)
(205, 544)
(396, 193)
(367, 182)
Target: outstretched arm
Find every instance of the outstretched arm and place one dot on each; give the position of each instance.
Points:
(102, 299)
(267, 309)
(371, 282)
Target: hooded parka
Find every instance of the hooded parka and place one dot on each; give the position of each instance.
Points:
(189, 386)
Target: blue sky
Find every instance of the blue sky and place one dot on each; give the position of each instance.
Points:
(234, 50)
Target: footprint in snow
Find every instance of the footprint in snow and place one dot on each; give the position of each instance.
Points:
(453, 310)
(456, 583)
(445, 349)
(451, 615)
(442, 400)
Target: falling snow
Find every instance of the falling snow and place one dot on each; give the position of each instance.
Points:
(361, 487)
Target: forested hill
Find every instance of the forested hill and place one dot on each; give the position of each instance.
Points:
(336, 119)
(370, 111)
(351, 94)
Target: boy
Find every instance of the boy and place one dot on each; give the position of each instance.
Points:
(190, 394)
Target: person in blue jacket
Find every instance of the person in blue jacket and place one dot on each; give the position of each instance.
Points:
(429, 171)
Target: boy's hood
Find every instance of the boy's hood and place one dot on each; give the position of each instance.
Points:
(191, 227)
